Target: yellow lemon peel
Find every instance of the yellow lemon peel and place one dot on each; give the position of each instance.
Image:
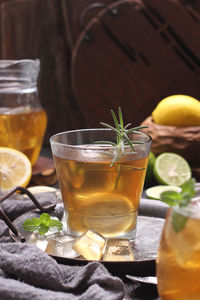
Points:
(15, 169)
(177, 110)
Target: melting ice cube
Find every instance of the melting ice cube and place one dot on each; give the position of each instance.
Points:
(40, 241)
(61, 245)
(90, 245)
(54, 244)
(118, 250)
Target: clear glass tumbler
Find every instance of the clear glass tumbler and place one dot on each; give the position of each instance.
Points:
(97, 193)
(178, 261)
(22, 119)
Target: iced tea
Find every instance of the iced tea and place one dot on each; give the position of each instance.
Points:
(23, 128)
(178, 262)
(101, 185)
(101, 197)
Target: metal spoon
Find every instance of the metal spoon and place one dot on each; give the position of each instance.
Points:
(147, 279)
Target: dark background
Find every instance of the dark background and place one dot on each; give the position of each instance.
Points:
(98, 55)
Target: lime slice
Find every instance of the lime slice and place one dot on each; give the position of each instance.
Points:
(155, 191)
(149, 172)
(171, 169)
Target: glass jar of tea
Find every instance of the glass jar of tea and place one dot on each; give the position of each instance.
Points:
(22, 119)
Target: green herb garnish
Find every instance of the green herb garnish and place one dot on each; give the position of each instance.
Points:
(178, 221)
(42, 224)
(122, 133)
(181, 199)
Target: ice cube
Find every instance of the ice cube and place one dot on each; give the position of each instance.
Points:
(118, 250)
(61, 245)
(68, 251)
(40, 241)
(54, 248)
(90, 245)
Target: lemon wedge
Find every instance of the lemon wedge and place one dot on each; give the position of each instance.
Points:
(15, 169)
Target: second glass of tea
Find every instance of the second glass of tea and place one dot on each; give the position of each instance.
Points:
(97, 193)
(178, 261)
(22, 119)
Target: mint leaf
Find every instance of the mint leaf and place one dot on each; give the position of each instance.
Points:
(45, 219)
(189, 186)
(188, 191)
(171, 197)
(56, 223)
(178, 221)
(31, 224)
(182, 199)
(41, 224)
(186, 197)
(42, 229)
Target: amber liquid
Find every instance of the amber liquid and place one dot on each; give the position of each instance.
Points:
(178, 262)
(100, 197)
(24, 132)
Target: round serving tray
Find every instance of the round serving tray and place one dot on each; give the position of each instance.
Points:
(145, 247)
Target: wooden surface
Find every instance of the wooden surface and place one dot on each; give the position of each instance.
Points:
(38, 29)
(43, 172)
(135, 58)
(147, 51)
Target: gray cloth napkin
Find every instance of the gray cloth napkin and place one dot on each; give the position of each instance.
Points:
(28, 273)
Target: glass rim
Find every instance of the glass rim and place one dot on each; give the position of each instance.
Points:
(192, 210)
(7, 63)
(17, 76)
(90, 130)
(188, 211)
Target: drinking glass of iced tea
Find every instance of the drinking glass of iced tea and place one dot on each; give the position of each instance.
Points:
(178, 262)
(100, 194)
(22, 119)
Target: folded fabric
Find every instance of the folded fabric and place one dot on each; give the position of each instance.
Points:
(26, 272)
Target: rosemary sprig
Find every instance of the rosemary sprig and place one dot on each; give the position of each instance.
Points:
(122, 135)
(122, 140)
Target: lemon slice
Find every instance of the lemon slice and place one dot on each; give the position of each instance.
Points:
(15, 169)
(38, 189)
(156, 191)
(41, 189)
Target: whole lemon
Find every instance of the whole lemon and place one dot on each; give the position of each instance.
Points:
(177, 110)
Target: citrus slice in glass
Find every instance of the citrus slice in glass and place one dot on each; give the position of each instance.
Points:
(41, 189)
(15, 169)
(156, 191)
(171, 169)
